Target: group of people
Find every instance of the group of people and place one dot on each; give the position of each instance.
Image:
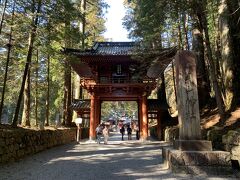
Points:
(129, 132)
(102, 130)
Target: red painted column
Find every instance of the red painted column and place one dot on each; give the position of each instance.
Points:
(140, 116)
(97, 112)
(144, 119)
(92, 134)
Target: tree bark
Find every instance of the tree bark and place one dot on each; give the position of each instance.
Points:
(3, 15)
(9, 45)
(28, 61)
(82, 29)
(199, 8)
(233, 24)
(77, 92)
(78, 89)
(36, 92)
(185, 29)
(174, 83)
(179, 35)
(67, 94)
(48, 91)
(26, 104)
(202, 75)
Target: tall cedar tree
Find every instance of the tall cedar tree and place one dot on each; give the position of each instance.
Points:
(29, 58)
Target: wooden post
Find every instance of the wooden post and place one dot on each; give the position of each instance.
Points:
(78, 132)
(144, 118)
(92, 135)
(78, 122)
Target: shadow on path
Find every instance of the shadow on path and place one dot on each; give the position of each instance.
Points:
(128, 160)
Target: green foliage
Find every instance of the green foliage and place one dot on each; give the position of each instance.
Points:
(117, 109)
(155, 23)
(58, 27)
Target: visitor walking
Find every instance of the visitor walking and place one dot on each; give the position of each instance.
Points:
(137, 132)
(129, 131)
(122, 131)
(106, 134)
(99, 131)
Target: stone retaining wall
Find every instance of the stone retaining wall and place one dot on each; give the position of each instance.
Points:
(231, 143)
(15, 144)
(197, 162)
(171, 133)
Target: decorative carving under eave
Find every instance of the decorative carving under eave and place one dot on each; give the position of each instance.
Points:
(112, 90)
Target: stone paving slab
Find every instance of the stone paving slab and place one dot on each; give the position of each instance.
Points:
(89, 161)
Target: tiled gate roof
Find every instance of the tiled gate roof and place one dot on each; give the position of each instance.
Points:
(107, 49)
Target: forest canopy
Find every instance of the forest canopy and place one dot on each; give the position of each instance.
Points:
(35, 78)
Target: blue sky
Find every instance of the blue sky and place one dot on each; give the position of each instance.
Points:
(115, 29)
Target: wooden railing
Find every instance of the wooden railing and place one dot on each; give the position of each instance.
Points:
(116, 81)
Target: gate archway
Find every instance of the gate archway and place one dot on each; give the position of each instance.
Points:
(110, 73)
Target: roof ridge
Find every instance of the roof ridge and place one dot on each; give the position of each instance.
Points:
(95, 46)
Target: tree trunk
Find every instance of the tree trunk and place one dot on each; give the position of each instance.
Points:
(48, 91)
(174, 83)
(202, 75)
(233, 24)
(9, 45)
(200, 10)
(67, 95)
(77, 92)
(36, 92)
(3, 15)
(78, 88)
(26, 102)
(185, 29)
(83, 27)
(220, 71)
(67, 81)
(179, 35)
(6, 75)
(28, 61)
(5, 80)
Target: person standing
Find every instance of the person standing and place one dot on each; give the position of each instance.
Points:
(105, 134)
(122, 131)
(137, 132)
(129, 131)
(99, 130)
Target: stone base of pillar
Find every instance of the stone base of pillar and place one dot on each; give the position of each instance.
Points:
(92, 138)
(144, 139)
(197, 162)
(192, 145)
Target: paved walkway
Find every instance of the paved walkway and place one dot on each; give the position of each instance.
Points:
(90, 161)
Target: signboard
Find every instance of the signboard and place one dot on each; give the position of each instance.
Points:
(78, 121)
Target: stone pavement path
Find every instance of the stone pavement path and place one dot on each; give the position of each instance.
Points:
(89, 161)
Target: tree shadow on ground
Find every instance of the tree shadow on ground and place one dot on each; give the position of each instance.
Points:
(92, 162)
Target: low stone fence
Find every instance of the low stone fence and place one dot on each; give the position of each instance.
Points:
(17, 143)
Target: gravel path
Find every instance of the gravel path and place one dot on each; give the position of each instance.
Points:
(117, 160)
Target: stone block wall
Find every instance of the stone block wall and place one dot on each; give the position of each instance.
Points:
(17, 143)
(171, 133)
(231, 143)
